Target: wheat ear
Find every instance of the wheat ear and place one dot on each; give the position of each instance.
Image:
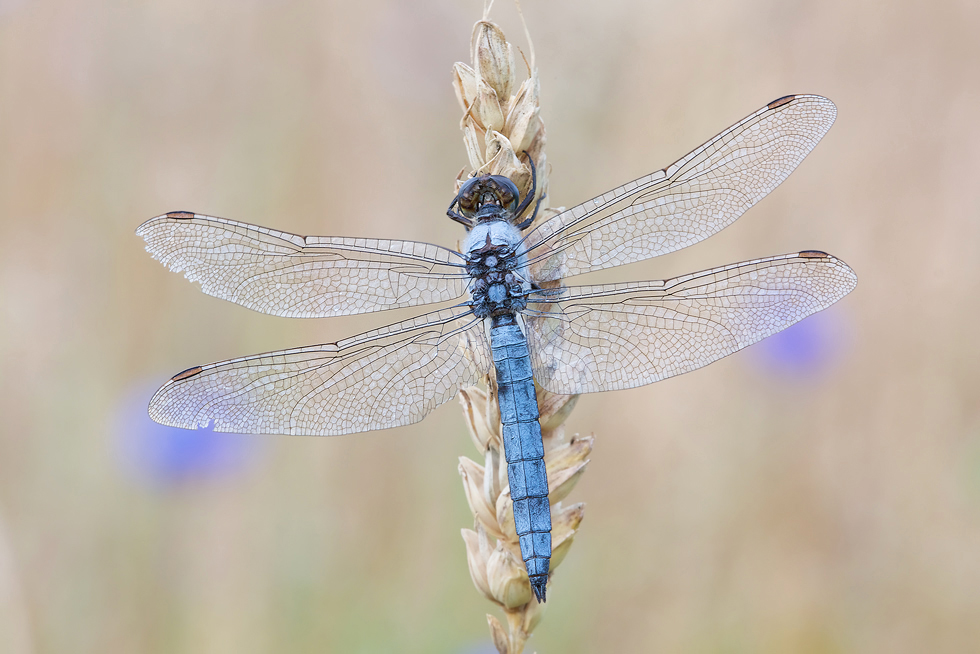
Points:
(501, 121)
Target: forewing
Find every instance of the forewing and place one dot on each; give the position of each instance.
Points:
(615, 336)
(688, 201)
(384, 378)
(302, 276)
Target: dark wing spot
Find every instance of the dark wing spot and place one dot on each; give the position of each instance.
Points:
(180, 215)
(781, 101)
(813, 254)
(190, 372)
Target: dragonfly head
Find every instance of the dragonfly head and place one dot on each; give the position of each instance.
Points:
(488, 197)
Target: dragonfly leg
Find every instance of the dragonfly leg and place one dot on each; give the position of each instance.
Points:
(534, 188)
(527, 222)
(463, 220)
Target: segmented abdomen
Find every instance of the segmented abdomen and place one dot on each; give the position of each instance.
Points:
(523, 447)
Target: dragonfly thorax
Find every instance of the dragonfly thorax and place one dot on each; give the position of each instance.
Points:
(496, 269)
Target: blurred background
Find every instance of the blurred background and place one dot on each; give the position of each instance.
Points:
(818, 492)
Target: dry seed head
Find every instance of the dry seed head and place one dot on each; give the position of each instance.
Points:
(502, 128)
(554, 409)
(505, 513)
(565, 465)
(503, 160)
(567, 455)
(486, 108)
(474, 148)
(464, 83)
(474, 403)
(559, 550)
(509, 584)
(491, 482)
(493, 58)
(508, 124)
(565, 521)
(532, 616)
(493, 409)
(477, 556)
(473, 474)
(499, 635)
(561, 483)
(522, 123)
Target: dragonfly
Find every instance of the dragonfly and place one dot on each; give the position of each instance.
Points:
(513, 317)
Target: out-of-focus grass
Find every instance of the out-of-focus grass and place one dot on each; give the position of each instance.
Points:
(770, 503)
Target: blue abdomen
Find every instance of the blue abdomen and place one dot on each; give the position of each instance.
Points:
(523, 447)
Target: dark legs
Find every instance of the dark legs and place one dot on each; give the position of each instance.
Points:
(530, 196)
(527, 223)
(463, 220)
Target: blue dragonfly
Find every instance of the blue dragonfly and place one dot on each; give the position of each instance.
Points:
(512, 316)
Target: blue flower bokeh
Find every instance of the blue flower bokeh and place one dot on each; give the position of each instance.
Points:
(166, 456)
(805, 349)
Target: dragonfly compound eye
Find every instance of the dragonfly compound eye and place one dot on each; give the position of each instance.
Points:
(489, 193)
(506, 191)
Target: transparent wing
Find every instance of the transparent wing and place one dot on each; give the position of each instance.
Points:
(614, 336)
(302, 276)
(688, 201)
(384, 378)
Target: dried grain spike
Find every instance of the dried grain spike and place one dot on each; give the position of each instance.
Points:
(477, 558)
(522, 123)
(464, 83)
(499, 636)
(501, 130)
(486, 107)
(493, 58)
(508, 580)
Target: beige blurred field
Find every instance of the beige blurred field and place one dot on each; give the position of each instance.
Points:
(828, 505)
